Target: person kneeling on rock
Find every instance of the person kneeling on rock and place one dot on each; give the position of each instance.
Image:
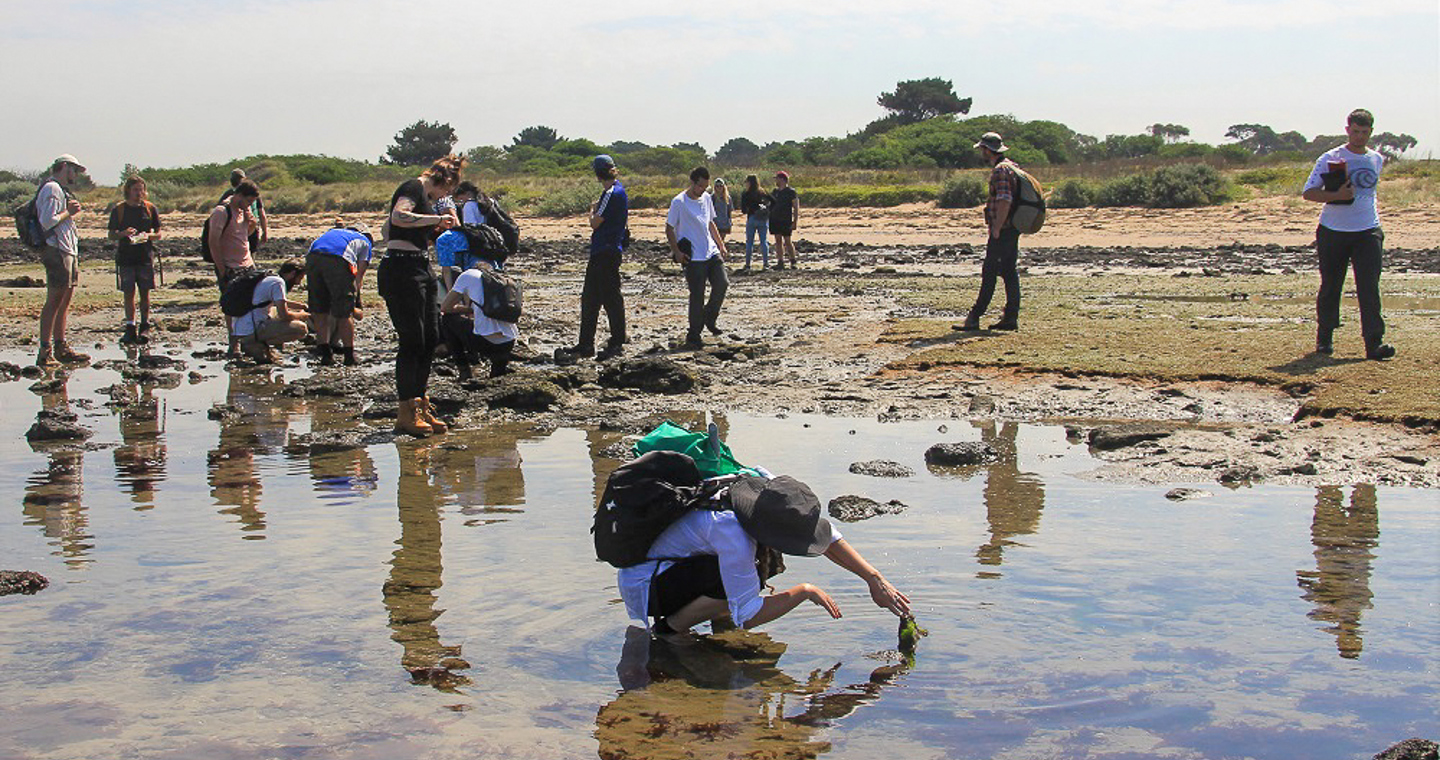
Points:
(275, 320)
(729, 554)
(469, 332)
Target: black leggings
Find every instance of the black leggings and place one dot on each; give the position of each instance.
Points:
(459, 334)
(684, 582)
(411, 296)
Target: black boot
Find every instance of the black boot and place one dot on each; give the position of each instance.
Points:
(1325, 341)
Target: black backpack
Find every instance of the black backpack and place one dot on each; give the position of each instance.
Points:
(641, 499)
(505, 225)
(27, 219)
(502, 295)
(485, 241)
(205, 234)
(238, 298)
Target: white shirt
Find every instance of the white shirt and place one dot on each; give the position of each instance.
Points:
(268, 290)
(470, 213)
(49, 205)
(691, 218)
(1364, 172)
(472, 285)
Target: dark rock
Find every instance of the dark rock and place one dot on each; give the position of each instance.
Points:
(210, 354)
(526, 394)
(49, 384)
(21, 582)
(960, 454)
(222, 412)
(56, 426)
(336, 440)
(153, 377)
(1185, 494)
(1121, 436)
(1410, 459)
(1413, 748)
(192, 283)
(31, 372)
(9, 371)
(881, 468)
(175, 325)
(1307, 468)
(650, 374)
(23, 281)
(856, 508)
(1243, 473)
(159, 361)
(381, 411)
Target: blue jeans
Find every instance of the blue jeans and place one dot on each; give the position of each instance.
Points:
(757, 223)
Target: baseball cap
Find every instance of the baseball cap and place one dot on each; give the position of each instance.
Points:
(602, 162)
(66, 158)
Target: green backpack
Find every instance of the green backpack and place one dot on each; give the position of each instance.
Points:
(712, 457)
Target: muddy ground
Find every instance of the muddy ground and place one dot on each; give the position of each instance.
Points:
(790, 345)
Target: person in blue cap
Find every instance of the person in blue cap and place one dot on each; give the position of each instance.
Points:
(609, 233)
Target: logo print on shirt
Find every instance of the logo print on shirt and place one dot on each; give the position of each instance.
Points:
(1364, 179)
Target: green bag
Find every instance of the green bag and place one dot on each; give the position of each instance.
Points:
(712, 457)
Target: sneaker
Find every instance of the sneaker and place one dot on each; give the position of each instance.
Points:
(131, 336)
(46, 358)
(1324, 347)
(694, 341)
(65, 354)
(565, 356)
(609, 352)
(971, 324)
(141, 338)
(1380, 352)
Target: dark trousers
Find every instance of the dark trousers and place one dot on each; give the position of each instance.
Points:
(458, 331)
(1362, 251)
(412, 297)
(697, 273)
(602, 290)
(1001, 256)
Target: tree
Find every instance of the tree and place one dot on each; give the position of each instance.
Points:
(541, 137)
(622, 147)
(1262, 140)
(916, 100)
(1391, 145)
(130, 170)
(420, 143)
(738, 151)
(1170, 133)
(689, 147)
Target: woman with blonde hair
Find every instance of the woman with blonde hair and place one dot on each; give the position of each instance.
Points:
(411, 291)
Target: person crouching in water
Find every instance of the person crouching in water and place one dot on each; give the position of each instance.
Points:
(468, 331)
(259, 332)
(337, 262)
(725, 561)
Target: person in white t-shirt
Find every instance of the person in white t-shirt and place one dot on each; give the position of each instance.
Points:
(469, 331)
(1349, 235)
(696, 244)
(259, 330)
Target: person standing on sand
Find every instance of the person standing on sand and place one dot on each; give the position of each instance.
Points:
(696, 244)
(1002, 247)
(609, 234)
(720, 199)
(57, 209)
(755, 205)
(135, 224)
(260, 234)
(1349, 235)
(410, 290)
(784, 218)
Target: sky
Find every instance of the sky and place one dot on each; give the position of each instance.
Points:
(165, 83)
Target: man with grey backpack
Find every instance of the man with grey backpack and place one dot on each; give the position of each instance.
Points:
(55, 210)
(1002, 246)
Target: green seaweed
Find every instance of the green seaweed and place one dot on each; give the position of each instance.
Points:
(910, 635)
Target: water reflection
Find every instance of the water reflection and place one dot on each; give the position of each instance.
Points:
(1339, 586)
(255, 421)
(339, 472)
(52, 499)
(416, 574)
(1013, 499)
(483, 476)
(722, 696)
(140, 458)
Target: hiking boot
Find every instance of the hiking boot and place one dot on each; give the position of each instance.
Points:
(1380, 352)
(1324, 341)
(716, 331)
(326, 354)
(408, 422)
(609, 352)
(564, 356)
(131, 336)
(1008, 323)
(46, 358)
(66, 355)
(972, 323)
(424, 411)
(693, 341)
(349, 354)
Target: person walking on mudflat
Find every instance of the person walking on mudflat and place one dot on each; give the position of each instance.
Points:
(609, 221)
(56, 209)
(411, 292)
(1349, 235)
(697, 245)
(1002, 247)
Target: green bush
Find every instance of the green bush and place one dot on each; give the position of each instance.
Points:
(1131, 190)
(1072, 193)
(1186, 186)
(962, 191)
(15, 192)
(567, 201)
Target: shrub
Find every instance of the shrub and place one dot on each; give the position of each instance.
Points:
(567, 201)
(1186, 186)
(15, 192)
(962, 191)
(1072, 193)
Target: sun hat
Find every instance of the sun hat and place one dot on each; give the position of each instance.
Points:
(781, 513)
(361, 228)
(602, 162)
(66, 158)
(993, 141)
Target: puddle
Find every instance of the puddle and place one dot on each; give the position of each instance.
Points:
(219, 591)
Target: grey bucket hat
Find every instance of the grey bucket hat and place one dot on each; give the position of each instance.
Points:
(781, 513)
(993, 141)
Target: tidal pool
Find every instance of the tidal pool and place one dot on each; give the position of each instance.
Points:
(220, 592)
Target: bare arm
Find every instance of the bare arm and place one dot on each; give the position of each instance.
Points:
(719, 241)
(403, 215)
(454, 303)
(776, 605)
(883, 594)
(1002, 212)
(1321, 195)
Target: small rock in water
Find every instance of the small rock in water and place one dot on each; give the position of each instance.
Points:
(881, 468)
(1120, 436)
(982, 405)
(56, 426)
(1185, 494)
(960, 454)
(21, 582)
(855, 508)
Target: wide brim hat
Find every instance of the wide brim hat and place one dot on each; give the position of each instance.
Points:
(781, 513)
(66, 158)
(993, 141)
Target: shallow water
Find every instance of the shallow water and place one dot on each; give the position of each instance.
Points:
(217, 592)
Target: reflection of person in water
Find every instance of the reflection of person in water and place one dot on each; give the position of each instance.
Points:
(140, 458)
(485, 479)
(1340, 584)
(415, 576)
(256, 422)
(722, 696)
(52, 498)
(1013, 499)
